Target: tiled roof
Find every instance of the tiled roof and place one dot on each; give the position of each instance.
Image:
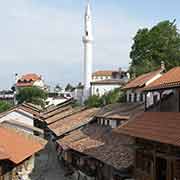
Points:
(104, 73)
(62, 114)
(100, 143)
(47, 116)
(17, 146)
(120, 110)
(73, 121)
(3, 155)
(15, 123)
(22, 108)
(167, 80)
(29, 110)
(52, 110)
(163, 127)
(141, 80)
(30, 76)
(33, 106)
(110, 81)
(22, 84)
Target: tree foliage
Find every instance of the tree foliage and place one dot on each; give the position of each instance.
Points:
(93, 101)
(69, 87)
(58, 88)
(114, 96)
(33, 95)
(111, 97)
(4, 106)
(151, 46)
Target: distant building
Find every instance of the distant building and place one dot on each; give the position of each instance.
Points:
(110, 75)
(57, 98)
(29, 80)
(105, 81)
(7, 96)
(99, 88)
(77, 93)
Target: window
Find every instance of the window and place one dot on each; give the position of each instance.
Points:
(130, 97)
(87, 33)
(97, 91)
(102, 121)
(135, 97)
(155, 99)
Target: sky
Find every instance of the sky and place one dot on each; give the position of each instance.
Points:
(45, 36)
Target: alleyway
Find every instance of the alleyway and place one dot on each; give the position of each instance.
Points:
(47, 166)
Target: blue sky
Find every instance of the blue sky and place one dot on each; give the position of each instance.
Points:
(44, 36)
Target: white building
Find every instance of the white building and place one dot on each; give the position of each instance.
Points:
(88, 52)
(99, 88)
(105, 81)
(19, 119)
(57, 98)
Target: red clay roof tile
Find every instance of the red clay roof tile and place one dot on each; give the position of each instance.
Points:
(141, 80)
(3, 155)
(104, 73)
(73, 121)
(167, 80)
(162, 127)
(30, 76)
(17, 146)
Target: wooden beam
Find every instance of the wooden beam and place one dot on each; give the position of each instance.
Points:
(160, 101)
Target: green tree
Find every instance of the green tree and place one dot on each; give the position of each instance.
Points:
(58, 88)
(4, 106)
(151, 46)
(33, 95)
(93, 101)
(69, 87)
(122, 97)
(114, 96)
(111, 97)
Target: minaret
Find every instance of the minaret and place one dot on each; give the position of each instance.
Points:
(87, 41)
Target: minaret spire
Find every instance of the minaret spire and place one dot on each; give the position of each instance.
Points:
(87, 40)
(88, 9)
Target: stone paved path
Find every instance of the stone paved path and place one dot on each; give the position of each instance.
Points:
(48, 167)
(54, 171)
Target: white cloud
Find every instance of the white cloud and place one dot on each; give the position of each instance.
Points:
(48, 41)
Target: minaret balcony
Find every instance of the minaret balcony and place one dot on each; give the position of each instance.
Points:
(87, 39)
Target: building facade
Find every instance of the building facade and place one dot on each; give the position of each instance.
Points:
(134, 89)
